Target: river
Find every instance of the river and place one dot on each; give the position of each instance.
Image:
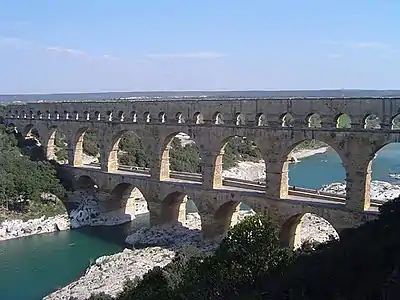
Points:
(32, 267)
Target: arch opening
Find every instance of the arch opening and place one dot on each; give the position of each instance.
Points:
(343, 121)
(31, 132)
(240, 119)
(180, 119)
(287, 120)
(85, 182)
(306, 231)
(146, 117)
(230, 214)
(57, 147)
(121, 116)
(305, 171)
(198, 118)
(178, 207)
(261, 120)
(383, 173)
(162, 117)
(180, 154)
(128, 152)
(314, 121)
(218, 118)
(86, 148)
(395, 122)
(372, 121)
(239, 163)
(126, 202)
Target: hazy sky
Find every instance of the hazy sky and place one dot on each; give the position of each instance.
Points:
(49, 46)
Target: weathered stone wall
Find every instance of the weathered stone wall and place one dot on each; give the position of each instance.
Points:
(210, 124)
(216, 206)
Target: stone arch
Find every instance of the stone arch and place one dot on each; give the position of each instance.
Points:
(17, 114)
(307, 148)
(179, 118)
(218, 118)
(109, 116)
(173, 208)
(343, 120)
(39, 114)
(121, 116)
(97, 116)
(229, 146)
(30, 131)
(56, 115)
(66, 115)
(371, 121)
(293, 237)
(57, 145)
(86, 115)
(147, 117)
(85, 182)
(395, 122)
(48, 115)
(381, 182)
(223, 217)
(31, 114)
(261, 120)
(124, 200)
(287, 120)
(198, 118)
(314, 120)
(23, 114)
(169, 163)
(133, 117)
(240, 119)
(162, 117)
(86, 141)
(118, 155)
(75, 115)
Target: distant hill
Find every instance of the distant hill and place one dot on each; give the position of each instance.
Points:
(205, 94)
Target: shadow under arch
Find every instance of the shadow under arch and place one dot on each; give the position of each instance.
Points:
(318, 230)
(317, 155)
(176, 207)
(235, 149)
(127, 199)
(180, 153)
(30, 142)
(229, 214)
(85, 182)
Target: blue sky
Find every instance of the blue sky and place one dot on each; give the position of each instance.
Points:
(49, 46)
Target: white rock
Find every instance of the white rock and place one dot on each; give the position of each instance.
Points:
(380, 190)
(10, 229)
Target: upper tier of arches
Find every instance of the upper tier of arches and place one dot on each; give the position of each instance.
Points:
(340, 120)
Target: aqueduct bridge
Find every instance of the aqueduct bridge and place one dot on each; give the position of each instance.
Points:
(275, 125)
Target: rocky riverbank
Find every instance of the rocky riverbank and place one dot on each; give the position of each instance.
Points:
(109, 273)
(380, 190)
(11, 229)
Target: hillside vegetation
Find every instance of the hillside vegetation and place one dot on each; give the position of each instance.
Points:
(25, 179)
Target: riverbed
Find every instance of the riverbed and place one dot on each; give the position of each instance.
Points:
(34, 266)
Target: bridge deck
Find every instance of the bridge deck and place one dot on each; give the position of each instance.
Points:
(231, 184)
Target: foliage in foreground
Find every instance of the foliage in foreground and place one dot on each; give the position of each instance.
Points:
(250, 265)
(23, 180)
